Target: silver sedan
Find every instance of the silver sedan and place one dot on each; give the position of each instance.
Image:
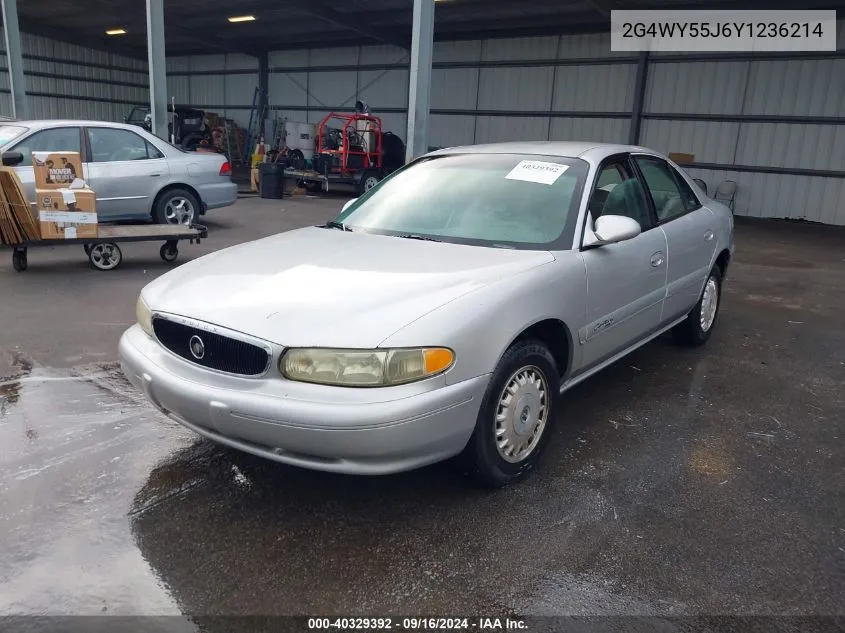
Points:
(442, 313)
(135, 175)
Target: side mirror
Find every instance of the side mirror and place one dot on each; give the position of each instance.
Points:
(348, 204)
(610, 229)
(10, 159)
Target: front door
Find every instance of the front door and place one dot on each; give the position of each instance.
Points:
(125, 171)
(689, 229)
(626, 282)
(56, 139)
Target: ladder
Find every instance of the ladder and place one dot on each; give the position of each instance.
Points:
(233, 143)
(253, 130)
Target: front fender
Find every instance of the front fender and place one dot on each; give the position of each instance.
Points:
(481, 325)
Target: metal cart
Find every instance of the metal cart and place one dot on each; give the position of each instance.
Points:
(103, 251)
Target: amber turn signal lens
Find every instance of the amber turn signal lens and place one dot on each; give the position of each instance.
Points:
(438, 359)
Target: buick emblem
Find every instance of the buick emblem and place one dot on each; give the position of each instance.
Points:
(197, 347)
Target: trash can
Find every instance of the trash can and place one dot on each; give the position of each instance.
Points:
(270, 180)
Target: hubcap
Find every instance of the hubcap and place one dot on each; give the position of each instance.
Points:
(179, 211)
(709, 303)
(521, 414)
(370, 182)
(104, 255)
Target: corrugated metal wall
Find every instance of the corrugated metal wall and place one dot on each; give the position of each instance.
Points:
(71, 82)
(737, 116)
(224, 84)
(760, 123)
(477, 94)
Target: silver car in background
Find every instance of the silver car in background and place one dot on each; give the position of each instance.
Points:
(135, 175)
(442, 313)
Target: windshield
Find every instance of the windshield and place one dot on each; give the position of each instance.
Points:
(511, 200)
(10, 132)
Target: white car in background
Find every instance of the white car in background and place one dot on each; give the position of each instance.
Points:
(135, 175)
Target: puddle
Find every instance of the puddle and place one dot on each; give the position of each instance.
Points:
(74, 453)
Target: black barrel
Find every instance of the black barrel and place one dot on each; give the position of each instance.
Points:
(270, 180)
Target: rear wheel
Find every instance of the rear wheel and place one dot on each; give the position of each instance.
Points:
(699, 324)
(176, 206)
(518, 409)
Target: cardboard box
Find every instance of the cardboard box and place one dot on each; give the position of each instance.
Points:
(66, 213)
(55, 170)
(681, 158)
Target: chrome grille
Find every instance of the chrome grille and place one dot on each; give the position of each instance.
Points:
(218, 352)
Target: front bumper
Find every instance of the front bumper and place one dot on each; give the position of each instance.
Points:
(356, 431)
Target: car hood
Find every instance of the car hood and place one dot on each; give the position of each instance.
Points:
(330, 288)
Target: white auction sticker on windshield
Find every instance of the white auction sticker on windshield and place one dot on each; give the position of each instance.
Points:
(537, 171)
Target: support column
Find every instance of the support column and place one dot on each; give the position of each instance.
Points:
(639, 99)
(157, 67)
(14, 59)
(419, 95)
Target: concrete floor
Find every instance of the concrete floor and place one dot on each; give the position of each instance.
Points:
(678, 483)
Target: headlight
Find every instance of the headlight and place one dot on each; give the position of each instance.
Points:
(144, 317)
(365, 368)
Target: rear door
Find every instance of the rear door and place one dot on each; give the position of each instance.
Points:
(55, 139)
(690, 233)
(125, 171)
(626, 282)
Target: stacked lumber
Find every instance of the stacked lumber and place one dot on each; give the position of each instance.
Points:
(17, 224)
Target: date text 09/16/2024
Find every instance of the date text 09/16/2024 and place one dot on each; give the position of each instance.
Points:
(417, 624)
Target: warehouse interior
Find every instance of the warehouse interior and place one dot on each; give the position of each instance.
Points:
(774, 124)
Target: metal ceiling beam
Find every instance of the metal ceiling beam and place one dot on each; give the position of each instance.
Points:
(387, 36)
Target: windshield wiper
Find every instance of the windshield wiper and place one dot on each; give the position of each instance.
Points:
(414, 236)
(336, 225)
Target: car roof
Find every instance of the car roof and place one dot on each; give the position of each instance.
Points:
(592, 152)
(43, 123)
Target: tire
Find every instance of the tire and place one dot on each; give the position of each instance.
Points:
(19, 262)
(87, 248)
(296, 159)
(105, 256)
(369, 179)
(169, 252)
(696, 329)
(176, 206)
(484, 456)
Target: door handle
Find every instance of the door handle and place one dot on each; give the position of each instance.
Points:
(708, 235)
(155, 175)
(657, 259)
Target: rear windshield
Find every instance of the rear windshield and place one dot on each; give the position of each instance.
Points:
(10, 132)
(505, 200)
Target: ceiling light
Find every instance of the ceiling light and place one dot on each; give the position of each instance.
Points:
(242, 18)
(116, 32)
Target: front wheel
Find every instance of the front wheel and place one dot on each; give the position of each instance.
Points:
(518, 409)
(699, 324)
(105, 256)
(369, 180)
(169, 252)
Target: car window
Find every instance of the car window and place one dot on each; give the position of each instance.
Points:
(59, 139)
(10, 133)
(671, 199)
(111, 144)
(507, 200)
(618, 192)
(153, 152)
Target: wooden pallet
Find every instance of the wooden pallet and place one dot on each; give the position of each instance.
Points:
(17, 224)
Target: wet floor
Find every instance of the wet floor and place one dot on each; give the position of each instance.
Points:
(679, 482)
